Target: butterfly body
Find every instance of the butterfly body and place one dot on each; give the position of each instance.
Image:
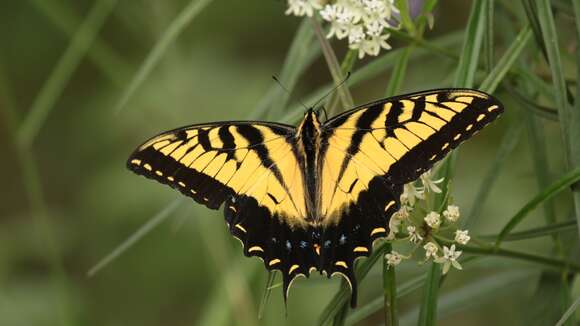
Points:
(315, 196)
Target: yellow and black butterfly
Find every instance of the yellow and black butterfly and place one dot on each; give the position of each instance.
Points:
(316, 196)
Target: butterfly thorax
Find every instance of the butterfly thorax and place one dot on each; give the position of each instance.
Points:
(308, 145)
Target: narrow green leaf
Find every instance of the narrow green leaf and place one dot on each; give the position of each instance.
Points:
(562, 184)
(399, 71)
(333, 65)
(471, 46)
(488, 41)
(506, 62)
(375, 305)
(574, 130)
(302, 52)
(390, 292)
(267, 292)
(535, 232)
(62, 72)
(168, 37)
(408, 24)
(157, 219)
(342, 296)
(101, 54)
(506, 147)
(473, 293)
(550, 37)
(428, 312)
(531, 12)
(569, 312)
(488, 250)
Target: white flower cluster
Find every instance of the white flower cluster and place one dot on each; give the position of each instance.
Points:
(421, 230)
(363, 23)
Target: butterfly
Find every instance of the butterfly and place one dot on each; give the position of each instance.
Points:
(316, 196)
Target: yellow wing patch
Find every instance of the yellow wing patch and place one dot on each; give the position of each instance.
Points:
(396, 139)
(208, 161)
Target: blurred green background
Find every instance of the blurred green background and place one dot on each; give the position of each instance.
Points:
(69, 201)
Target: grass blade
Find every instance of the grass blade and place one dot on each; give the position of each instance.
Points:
(362, 269)
(399, 72)
(390, 303)
(59, 77)
(428, 312)
(506, 62)
(506, 147)
(157, 219)
(543, 231)
(471, 46)
(555, 188)
(569, 312)
(574, 130)
(473, 294)
(101, 54)
(301, 53)
(370, 308)
(172, 32)
(333, 65)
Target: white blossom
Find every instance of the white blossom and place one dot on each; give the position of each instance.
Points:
(393, 258)
(363, 22)
(414, 236)
(451, 213)
(430, 250)
(449, 258)
(429, 184)
(462, 237)
(410, 194)
(433, 219)
(303, 7)
(394, 224)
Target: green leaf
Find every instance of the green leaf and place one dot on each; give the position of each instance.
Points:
(53, 88)
(375, 305)
(428, 312)
(574, 130)
(303, 51)
(560, 185)
(506, 62)
(506, 147)
(403, 7)
(168, 37)
(488, 40)
(109, 62)
(535, 232)
(153, 222)
(333, 65)
(390, 292)
(340, 299)
(399, 72)
(473, 293)
(569, 312)
(471, 46)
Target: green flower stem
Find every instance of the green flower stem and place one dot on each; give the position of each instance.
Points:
(390, 292)
(535, 232)
(490, 250)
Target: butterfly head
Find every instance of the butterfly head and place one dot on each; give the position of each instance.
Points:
(309, 128)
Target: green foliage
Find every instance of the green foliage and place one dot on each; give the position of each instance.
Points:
(82, 83)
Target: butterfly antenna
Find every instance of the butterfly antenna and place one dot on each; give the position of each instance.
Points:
(286, 89)
(332, 90)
